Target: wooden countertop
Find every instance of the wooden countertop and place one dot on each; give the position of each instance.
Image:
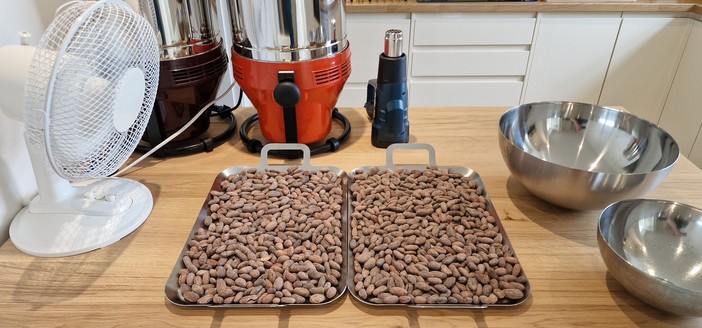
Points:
(123, 284)
(412, 6)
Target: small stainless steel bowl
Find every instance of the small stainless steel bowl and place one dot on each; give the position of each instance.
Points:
(583, 156)
(654, 249)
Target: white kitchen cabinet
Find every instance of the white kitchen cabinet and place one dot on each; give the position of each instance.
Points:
(570, 56)
(366, 35)
(682, 113)
(644, 61)
(469, 59)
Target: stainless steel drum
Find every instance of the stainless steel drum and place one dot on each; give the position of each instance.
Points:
(183, 27)
(288, 30)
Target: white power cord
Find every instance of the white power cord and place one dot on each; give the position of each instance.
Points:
(176, 134)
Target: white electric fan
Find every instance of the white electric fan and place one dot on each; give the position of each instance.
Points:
(89, 91)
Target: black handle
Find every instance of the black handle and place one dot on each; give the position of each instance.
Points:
(287, 95)
(370, 98)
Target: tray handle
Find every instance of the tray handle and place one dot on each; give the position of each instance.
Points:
(391, 150)
(286, 146)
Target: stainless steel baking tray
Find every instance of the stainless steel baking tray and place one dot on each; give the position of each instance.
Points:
(172, 290)
(432, 163)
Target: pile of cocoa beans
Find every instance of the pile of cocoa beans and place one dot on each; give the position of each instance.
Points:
(427, 237)
(270, 237)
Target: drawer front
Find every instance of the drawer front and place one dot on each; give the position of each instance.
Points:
(464, 93)
(473, 31)
(469, 63)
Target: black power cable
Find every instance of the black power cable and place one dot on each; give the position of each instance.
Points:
(204, 144)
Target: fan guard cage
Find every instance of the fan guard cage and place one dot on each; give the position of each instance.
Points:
(73, 80)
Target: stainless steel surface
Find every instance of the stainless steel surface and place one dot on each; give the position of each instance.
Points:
(172, 290)
(181, 25)
(654, 249)
(288, 30)
(393, 43)
(582, 156)
(431, 163)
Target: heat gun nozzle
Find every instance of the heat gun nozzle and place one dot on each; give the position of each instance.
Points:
(393, 43)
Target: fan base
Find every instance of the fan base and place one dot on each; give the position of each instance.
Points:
(65, 234)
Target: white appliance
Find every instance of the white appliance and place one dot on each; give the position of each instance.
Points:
(88, 93)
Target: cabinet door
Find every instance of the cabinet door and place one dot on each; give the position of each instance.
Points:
(682, 114)
(366, 35)
(570, 55)
(643, 64)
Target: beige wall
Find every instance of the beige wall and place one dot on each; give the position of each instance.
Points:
(17, 185)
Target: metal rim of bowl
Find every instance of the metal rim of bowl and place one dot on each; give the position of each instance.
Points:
(560, 103)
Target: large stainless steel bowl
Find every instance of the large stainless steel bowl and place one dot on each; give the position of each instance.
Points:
(583, 156)
(654, 249)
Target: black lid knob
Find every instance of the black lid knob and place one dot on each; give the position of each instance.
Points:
(286, 94)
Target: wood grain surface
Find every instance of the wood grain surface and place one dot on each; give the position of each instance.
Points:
(123, 285)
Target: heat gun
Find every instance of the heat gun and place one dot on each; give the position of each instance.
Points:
(386, 99)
